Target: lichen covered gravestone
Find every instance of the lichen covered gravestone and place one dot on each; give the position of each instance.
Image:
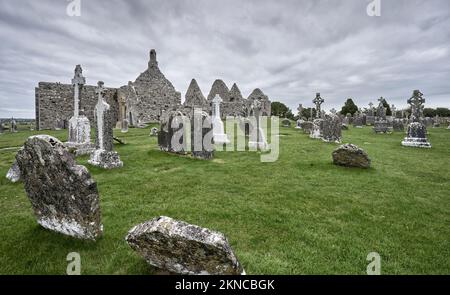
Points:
(202, 146)
(350, 155)
(332, 129)
(104, 156)
(316, 129)
(183, 248)
(172, 136)
(63, 194)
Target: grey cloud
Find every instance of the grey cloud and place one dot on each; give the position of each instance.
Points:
(289, 49)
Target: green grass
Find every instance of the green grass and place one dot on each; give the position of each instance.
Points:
(298, 215)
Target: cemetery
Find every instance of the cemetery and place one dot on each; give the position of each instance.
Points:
(263, 140)
(319, 209)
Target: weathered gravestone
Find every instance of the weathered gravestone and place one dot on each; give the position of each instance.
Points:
(79, 125)
(332, 129)
(417, 132)
(286, 123)
(202, 146)
(381, 125)
(317, 129)
(350, 155)
(398, 125)
(172, 136)
(307, 126)
(357, 120)
(13, 174)
(63, 194)
(1, 127)
(104, 156)
(257, 138)
(182, 248)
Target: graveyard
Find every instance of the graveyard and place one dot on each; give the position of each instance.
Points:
(298, 215)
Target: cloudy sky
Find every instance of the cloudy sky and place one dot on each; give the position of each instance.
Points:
(289, 49)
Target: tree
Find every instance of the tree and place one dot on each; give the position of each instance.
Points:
(281, 110)
(349, 107)
(387, 107)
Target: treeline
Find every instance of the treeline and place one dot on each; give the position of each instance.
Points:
(281, 110)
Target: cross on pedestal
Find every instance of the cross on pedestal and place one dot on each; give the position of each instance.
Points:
(318, 101)
(416, 101)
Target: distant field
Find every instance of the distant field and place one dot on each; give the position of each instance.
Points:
(298, 215)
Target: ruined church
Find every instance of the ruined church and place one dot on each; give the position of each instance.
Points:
(140, 102)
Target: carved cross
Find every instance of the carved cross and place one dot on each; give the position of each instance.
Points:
(78, 81)
(416, 101)
(318, 101)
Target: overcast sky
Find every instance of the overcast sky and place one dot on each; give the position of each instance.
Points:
(289, 49)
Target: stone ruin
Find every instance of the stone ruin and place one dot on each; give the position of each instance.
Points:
(79, 125)
(332, 128)
(183, 248)
(350, 155)
(202, 145)
(194, 98)
(104, 156)
(381, 124)
(63, 194)
(171, 137)
(417, 132)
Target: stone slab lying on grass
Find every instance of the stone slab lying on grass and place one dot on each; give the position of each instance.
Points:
(63, 194)
(350, 155)
(182, 248)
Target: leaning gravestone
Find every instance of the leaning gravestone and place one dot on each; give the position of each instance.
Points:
(13, 173)
(104, 156)
(417, 132)
(202, 146)
(182, 248)
(63, 194)
(350, 155)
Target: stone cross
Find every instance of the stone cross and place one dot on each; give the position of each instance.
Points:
(216, 106)
(416, 101)
(318, 101)
(371, 105)
(100, 109)
(78, 81)
(333, 111)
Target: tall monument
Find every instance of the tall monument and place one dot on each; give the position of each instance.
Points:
(417, 131)
(79, 126)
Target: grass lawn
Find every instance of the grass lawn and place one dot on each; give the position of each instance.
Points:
(298, 215)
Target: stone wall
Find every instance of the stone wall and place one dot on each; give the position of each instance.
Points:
(54, 104)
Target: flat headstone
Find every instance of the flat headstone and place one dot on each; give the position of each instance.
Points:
(183, 248)
(63, 194)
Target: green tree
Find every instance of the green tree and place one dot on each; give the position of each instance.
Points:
(349, 107)
(387, 107)
(281, 110)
